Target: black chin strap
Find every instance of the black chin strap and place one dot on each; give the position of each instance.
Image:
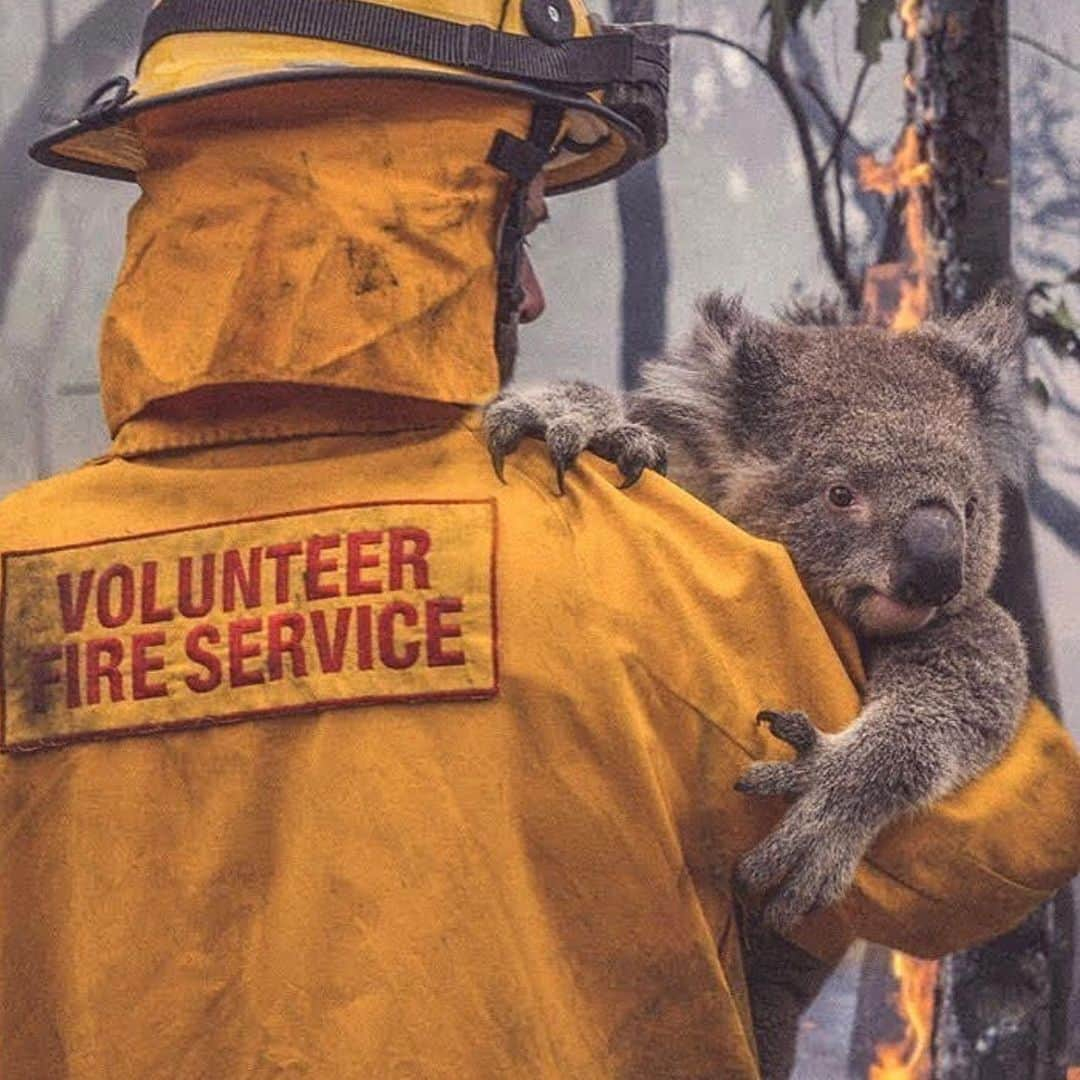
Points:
(521, 160)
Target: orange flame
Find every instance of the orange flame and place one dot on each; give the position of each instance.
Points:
(910, 1058)
(909, 17)
(898, 294)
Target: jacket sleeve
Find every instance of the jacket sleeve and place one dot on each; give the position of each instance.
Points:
(721, 623)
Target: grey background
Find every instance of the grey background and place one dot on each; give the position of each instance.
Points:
(736, 212)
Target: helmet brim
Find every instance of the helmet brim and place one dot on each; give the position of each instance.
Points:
(599, 146)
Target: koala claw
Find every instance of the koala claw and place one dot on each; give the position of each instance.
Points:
(794, 728)
(566, 439)
(631, 475)
(506, 422)
(498, 463)
(634, 449)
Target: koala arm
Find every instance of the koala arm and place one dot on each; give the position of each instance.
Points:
(940, 707)
(971, 865)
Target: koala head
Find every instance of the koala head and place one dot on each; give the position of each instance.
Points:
(876, 458)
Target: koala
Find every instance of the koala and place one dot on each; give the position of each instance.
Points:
(877, 460)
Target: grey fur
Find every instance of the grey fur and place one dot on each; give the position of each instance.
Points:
(761, 420)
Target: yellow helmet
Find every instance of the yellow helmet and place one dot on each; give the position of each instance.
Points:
(600, 91)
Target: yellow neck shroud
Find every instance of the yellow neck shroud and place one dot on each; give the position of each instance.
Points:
(344, 237)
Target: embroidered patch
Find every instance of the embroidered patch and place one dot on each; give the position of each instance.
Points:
(346, 605)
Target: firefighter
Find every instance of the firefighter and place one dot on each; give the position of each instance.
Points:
(326, 754)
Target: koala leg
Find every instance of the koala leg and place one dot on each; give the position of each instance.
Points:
(572, 417)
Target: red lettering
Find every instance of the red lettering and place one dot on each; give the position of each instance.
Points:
(364, 657)
(43, 675)
(317, 566)
(142, 663)
(356, 562)
(281, 554)
(73, 615)
(438, 631)
(111, 615)
(203, 684)
(419, 541)
(185, 600)
(112, 651)
(387, 654)
(234, 576)
(151, 613)
(71, 672)
(239, 651)
(277, 644)
(331, 656)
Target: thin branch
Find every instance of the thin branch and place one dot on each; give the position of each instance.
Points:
(835, 256)
(773, 67)
(849, 116)
(49, 17)
(841, 205)
(716, 39)
(1061, 58)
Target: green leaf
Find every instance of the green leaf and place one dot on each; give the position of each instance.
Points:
(872, 27)
(1064, 317)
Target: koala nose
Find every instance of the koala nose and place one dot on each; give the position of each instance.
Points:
(931, 566)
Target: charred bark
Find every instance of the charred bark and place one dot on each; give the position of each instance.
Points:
(1000, 1007)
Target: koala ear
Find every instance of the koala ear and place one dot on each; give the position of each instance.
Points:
(721, 379)
(721, 313)
(984, 347)
(741, 351)
(757, 380)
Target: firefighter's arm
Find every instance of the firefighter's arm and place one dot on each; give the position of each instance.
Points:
(730, 631)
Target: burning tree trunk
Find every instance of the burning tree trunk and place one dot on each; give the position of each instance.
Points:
(999, 1009)
(998, 1006)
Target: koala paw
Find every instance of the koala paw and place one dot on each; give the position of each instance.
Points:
(634, 449)
(571, 418)
(508, 420)
(794, 728)
(806, 863)
(785, 777)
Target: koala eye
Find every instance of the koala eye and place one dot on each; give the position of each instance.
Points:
(970, 507)
(841, 496)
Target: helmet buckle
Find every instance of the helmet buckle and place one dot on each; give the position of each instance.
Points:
(479, 47)
(100, 107)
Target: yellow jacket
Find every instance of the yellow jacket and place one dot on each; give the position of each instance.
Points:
(327, 755)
